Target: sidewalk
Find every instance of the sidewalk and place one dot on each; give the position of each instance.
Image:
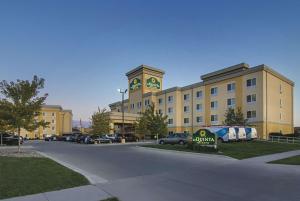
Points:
(82, 193)
(272, 157)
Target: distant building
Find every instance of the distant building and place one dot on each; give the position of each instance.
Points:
(60, 122)
(264, 95)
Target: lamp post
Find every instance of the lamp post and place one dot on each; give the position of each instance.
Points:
(122, 130)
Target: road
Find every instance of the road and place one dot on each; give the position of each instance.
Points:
(139, 174)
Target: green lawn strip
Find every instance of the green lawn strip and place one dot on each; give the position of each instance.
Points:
(294, 160)
(238, 150)
(25, 176)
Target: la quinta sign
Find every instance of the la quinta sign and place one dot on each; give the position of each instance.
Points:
(153, 82)
(204, 137)
(135, 84)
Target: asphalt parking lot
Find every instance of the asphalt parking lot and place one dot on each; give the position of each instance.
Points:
(133, 173)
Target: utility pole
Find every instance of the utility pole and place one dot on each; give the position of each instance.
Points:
(122, 129)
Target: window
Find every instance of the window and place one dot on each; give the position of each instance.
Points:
(160, 101)
(251, 82)
(280, 103)
(186, 97)
(214, 104)
(251, 98)
(170, 99)
(52, 121)
(139, 104)
(280, 116)
(280, 89)
(171, 132)
(214, 118)
(199, 94)
(186, 108)
(231, 102)
(199, 119)
(44, 114)
(53, 128)
(52, 114)
(186, 120)
(147, 102)
(251, 114)
(170, 110)
(214, 91)
(132, 106)
(231, 87)
(170, 121)
(159, 111)
(199, 107)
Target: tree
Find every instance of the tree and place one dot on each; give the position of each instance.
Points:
(152, 122)
(230, 117)
(100, 122)
(141, 127)
(21, 104)
(235, 118)
(239, 117)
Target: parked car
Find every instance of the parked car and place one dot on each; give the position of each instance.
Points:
(81, 138)
(112, 137)
(50, 138)
(177, 138)
(66, 137)
(98, 139)
(128, 138)
(74, 137)
(10, 139)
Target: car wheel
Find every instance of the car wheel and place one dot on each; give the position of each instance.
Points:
(161, 142)
(181, 142)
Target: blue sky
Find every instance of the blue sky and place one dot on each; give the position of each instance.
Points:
(84, 48)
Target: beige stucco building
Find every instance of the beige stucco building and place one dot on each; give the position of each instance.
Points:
(60, 122)
(264, 95)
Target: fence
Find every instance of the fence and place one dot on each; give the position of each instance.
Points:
(283, 139)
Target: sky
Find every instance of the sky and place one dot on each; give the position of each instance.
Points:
(84, 48)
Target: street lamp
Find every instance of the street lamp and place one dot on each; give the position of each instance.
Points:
(123, 93)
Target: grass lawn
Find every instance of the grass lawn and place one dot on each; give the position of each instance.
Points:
(24, 176)
(238, 150)
(295, 160)
(111, 199)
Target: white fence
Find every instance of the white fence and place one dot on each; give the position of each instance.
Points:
(283, 139)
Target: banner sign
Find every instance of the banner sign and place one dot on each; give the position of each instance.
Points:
(204, 137)
(153, 82)
(135, 84)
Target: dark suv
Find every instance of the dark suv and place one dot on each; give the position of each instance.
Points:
(177, 138)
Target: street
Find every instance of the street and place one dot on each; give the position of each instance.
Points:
(134, 173)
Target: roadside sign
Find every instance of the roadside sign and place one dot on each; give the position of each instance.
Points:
(204, 137)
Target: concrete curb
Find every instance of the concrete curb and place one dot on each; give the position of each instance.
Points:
(93, 179)
(186, 152)
(120, 144)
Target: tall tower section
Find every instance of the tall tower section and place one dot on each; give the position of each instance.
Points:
(142, 80)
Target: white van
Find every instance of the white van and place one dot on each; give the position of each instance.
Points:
(223, 133)
(251, 133)
(240, 133)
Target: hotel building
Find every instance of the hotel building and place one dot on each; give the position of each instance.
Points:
(264, 96)
(60, 121)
